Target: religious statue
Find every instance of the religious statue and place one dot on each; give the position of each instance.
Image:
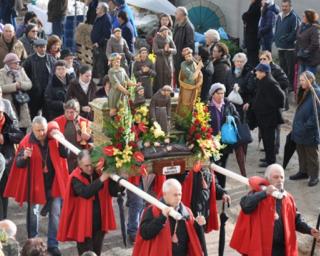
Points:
(139, 98)
(119, 82)
(190, 79)
(160, 107)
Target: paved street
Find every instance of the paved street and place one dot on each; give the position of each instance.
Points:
(308, 201)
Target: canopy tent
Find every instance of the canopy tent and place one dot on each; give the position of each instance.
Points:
(158, 6)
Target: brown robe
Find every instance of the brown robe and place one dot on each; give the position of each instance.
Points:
(163, 61)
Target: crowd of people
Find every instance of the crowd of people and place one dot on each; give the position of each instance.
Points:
(40, 82)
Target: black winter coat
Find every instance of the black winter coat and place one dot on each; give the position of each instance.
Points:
(55, 96)
(57, 9)
(251, 20)
(221, 68)
(268, 102)
(75, 92)
(183, 36)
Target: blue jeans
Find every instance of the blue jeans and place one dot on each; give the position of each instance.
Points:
(58, 27)
(135, 205)
(54, 215)
(304, 67)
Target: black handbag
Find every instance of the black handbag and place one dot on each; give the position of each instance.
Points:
(21, 97)
(244, 134)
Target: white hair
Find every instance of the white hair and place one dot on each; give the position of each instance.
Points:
(240, 56)
(169, 184)
(9, 227)
(104, 5)
(8, 25)
(271, 168)
(213, 35)
(40, 120)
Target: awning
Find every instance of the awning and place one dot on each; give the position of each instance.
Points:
(158, 6)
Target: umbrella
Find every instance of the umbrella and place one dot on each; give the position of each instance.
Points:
(289, 149)
(222, 231)
(122, 218)
(315, 240)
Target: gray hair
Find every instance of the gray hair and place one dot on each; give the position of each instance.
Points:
(8, 25)
(240, 56)
(40, 120)
(213, 35)
(169, 184)
(9, 227)
(183, 10)
(72, 104)
(309, 75)
(105, 6)
(83, 153)
(89, 253)
(271, 168)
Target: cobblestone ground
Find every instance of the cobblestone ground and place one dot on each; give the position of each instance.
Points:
(308, 202)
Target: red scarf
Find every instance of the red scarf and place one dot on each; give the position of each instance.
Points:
(2, 121)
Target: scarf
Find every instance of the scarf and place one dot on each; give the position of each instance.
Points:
(218, 105)
(2, 121)
(84, 86)
(14, 73)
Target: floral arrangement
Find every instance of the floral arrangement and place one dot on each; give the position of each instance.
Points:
(200, 138)
(121, 154)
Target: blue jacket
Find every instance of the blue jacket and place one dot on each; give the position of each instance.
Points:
(127, 9)
(286, 30)
(127, 32)
(101, 30)
(304, 127)
(267, 22)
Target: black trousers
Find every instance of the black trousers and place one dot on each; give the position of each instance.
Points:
(287, 61)
(3, 200)
(99, 65)
(268, 139)
(92, 244)
(253, 57)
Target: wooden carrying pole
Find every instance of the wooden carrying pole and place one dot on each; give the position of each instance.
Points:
(150, 199)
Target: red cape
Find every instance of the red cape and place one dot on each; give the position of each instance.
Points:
(76, 215)
(162, 245)
(187, 190)
(61, 120)
(17, 182)
(253, 233)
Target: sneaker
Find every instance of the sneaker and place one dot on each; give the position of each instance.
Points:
(299, 176)
(54, 251)
(313, 182)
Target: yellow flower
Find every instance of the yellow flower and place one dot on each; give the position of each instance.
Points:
(157, 130)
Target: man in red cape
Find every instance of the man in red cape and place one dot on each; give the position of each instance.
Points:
(160, 234)
(75, 129)
(200, 192)
(87, 212)
(44, 160)
(266, 225)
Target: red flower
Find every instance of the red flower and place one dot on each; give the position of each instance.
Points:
(142, 127)
(120, 129)
(192, 129)
(108, 150)
(203, 128)
(138, 156)
(119, 146)
(143, 170)
(196, 122)
(117, 136)
(209, 136)
(210, 130)
(117, 118)
(133, 144)
(197, 136)
(100, 164)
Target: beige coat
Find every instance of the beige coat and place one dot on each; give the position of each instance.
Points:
(17, 48)
(8, 88)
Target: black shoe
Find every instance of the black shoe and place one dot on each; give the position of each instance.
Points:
(263, 160)
(263, 165)
(313, 181)
(299, 176)
(131, 239)
(54, 251)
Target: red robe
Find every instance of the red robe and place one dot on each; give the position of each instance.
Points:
(17, 182)
(76, 215)
(162, 244)
(187, 190)
(253, 233)
(62, 121)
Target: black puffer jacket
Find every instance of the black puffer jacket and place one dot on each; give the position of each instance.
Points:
(221, 68)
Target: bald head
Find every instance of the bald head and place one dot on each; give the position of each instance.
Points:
(275, 175)
(9, 227)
